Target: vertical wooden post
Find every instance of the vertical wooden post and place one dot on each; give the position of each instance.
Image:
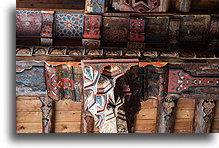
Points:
(87, 122)
(48, 115)
(204, 113)
(183, 5)
(166, 115)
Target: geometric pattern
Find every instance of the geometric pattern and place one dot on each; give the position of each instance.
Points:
(137, 30)
(180, 81)
(28, 23)
(60, 83)
(101, 91)
(92, 26)
(136, 5)
(94, 6)
(90, 43)
(69, 24)
(194, 28)
(47, 24)
(115, 29)
(156, 29)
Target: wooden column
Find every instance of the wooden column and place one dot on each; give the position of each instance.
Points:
(48, 114)
(87, 122)
(204, 114)
(183, 5)
(166, 115)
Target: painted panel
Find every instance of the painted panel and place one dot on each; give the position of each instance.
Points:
(28, 23)
(47, 25)
(92, 26)
(30, 79)
(137, 30)
(115, 29)
(156, 29)
(194, 28)
(69, 24)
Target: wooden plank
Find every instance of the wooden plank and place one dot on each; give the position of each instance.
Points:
(215, 124)
(29, 128)
(62, 116)
(67, 127)
(67, 105)
(29, 117)
(183, 124)
(28, 105)
(185, 103)
(50, 6)
(215, 131)
(149, 104)
(148, 125)
(216, 116)
(27, 98)
(204, 4)
(147, 114)
(182, 131)
(145, 131)
(184, 113)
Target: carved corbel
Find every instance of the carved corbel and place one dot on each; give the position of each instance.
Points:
(106, 93)
(63, 81)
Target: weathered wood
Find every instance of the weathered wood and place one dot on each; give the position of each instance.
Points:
(186, 103)
(28, 117)
(184, 113)
(146, 114)
(145, 125)
(87, 123)
(113, 111)
(204, 114)
(28, 105)
(48, 114)
(30, 79)
(67, 127)
(183, 124)
(151, 103)
(92, 6)
(67, 116)
(29, 128)
(68, 105)
(166, 115)
(183, 5)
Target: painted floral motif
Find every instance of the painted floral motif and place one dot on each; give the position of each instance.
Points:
(28, 23)
(47, 24)
(69, 25)
(92, 27)
(137, 30)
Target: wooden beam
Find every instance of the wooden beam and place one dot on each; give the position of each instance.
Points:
(166, 115)
(204, 114)
(183, 5)
(48, 114)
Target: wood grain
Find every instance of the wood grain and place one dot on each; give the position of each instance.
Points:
(184, 113)
(28, 105)
(147, 114)
(28, 117)
(67, 105)
(67, 127)
(63, 116)
(29, 128)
